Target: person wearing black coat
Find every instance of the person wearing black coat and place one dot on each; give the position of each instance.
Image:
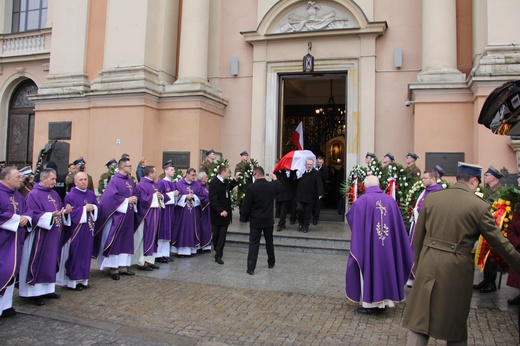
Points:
(285, 195)
(324, 173)
(258, 208)
(220, 208)
(309, 188)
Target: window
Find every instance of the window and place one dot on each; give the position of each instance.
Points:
(29, 15)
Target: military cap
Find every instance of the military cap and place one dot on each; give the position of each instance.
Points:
(439, 170)
(26, 171)
(494, 172)
(412, 155)
(470, 169)
(390, 156)
(369, 154)
(79, 161)
(111, 162)
(244, 153)
(167, 164)
(211, 151)
(125, 156)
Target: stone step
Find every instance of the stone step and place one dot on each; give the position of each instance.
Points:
(300, 242)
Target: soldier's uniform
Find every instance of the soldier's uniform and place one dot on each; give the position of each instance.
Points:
(208, 166)
(69, 180)
(241, 166)
(105, 177)
(412, 169)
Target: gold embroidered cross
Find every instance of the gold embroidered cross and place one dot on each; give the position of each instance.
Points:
(14, 203)
(381, 228)
(57, 219)
(129, 187)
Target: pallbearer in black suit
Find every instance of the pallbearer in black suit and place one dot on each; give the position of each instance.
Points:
(285, 195)
(309, 188)
(258, 208)
(324, 173)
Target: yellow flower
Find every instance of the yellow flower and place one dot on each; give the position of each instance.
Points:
(500, 201)
(508, 209)
(506, 220)
(508, 202)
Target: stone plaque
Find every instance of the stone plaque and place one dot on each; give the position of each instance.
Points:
(181, 159)
(60, 130)
(448, 161)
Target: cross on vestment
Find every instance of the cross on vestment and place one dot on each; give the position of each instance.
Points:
(14, 203)
(57, 219)
(381, 227)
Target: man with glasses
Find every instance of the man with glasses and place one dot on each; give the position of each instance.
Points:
(114, 237)
(449, 223)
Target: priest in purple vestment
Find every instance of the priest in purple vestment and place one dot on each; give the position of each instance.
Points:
(187, 215)
(77, 240)
(15, 221)
(429, 180)
(114, 235)
(167, 187)
(380, 258)
(149, 210)
(42, 250)
(205, 220)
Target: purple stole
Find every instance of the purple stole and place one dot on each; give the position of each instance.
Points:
(45, 253)
(121, 233)
(150, 216)
(185, 229)
(12, 203)
(379, 251)
(77, 266)
(166, 226)
(205, 222)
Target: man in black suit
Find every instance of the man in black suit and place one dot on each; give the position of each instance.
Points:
(220, 208)
(309, 188)
(324, 172)
(258, 207)
(284, 196)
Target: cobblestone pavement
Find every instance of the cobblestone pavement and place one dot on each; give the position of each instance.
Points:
(195, 301)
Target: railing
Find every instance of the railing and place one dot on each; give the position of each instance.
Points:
(25, 43)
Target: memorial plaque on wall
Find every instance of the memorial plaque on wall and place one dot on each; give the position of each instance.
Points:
(448, 161)
(60, 130)
(181, 159)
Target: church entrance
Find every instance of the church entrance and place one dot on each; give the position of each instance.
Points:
(318, 101)
(20, 125)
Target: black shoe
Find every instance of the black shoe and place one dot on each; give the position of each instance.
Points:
(292, 222)
(314, 223)
(219, 260)
(77, 288)
(161, 260)
(145, 268)
(84, 286)
(270, 266)
(305, 230)
(479, 285)
(278, 229)
(153, 266)
(250, 272)
(8, 313)
(51, 296)
(127, 273)
(170, 259)
(300, 227)
(38, 301)
(514, 301)
(488, 288)
(370, 311)
(115, 276)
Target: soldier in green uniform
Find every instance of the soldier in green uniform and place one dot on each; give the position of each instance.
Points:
(243, 163)
(105, 177)
(210, 163)
(387, 159)
(80, 166)
(411, 168)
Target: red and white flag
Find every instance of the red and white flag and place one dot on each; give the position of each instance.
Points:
(295, 161)
(297, 136)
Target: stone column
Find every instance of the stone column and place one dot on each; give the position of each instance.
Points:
(439, 47)
(193, 56)
(514, 143)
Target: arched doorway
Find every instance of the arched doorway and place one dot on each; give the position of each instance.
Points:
(20, 125)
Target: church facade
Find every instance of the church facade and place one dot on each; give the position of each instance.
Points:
(171, 79)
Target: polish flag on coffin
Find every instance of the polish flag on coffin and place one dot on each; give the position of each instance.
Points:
(295, 161)
(297, 136)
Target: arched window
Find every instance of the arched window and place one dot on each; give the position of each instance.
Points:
(20, 125)
(29, 15)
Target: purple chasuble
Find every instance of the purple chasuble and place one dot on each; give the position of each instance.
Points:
(166, 186)
(150, 216)
(81, 234)
(120, 238)
(12, 205)
(187, 217)
(379, 252)
(46, 250)
(205, 222)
